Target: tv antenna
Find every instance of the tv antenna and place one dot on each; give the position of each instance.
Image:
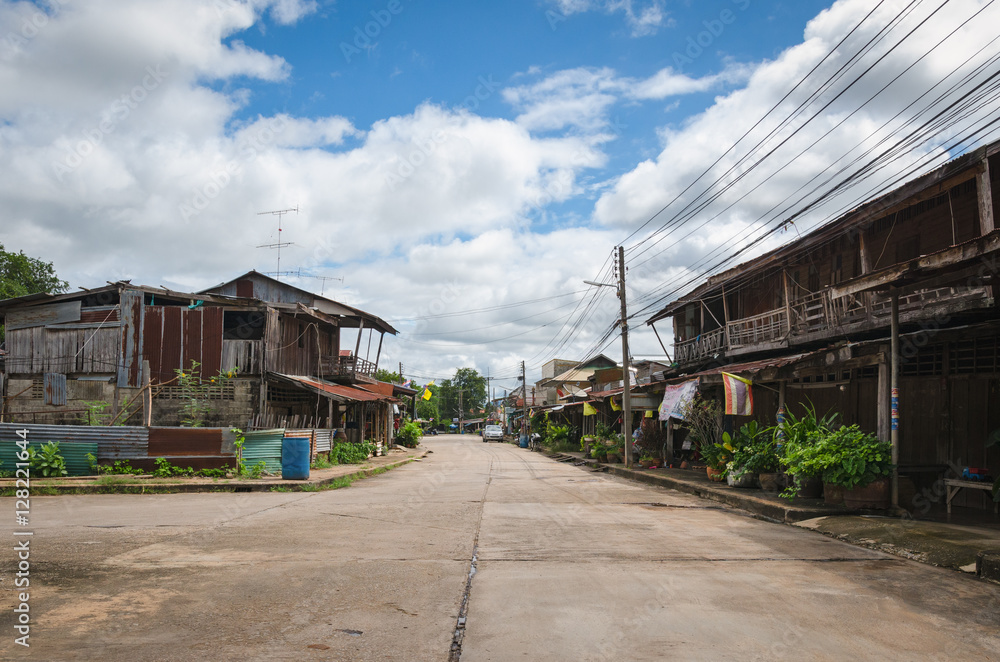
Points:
(323, 280)
(279, 244)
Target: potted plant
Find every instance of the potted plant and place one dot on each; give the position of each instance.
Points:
(804, 464)
(715, 457)
(860, 464)
(599, 452)
(750, 454)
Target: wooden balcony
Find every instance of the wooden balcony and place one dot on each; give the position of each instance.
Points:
(705, 346)
(346, 366)
(817, 316)
(768, 327)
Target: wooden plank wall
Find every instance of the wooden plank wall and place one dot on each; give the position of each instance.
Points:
(39, 350)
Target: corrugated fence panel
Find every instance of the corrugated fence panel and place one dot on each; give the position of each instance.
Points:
(75, 455)
(303, 434)
(113, 443)
(264, 445)
(324, 440)
(165, 442)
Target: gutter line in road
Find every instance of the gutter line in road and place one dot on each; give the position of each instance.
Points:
(456, 642)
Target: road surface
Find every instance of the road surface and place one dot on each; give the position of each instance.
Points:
(542, 560)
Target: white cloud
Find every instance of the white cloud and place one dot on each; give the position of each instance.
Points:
(642, 19)
(581, 98)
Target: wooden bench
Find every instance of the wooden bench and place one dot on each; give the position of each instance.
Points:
(953, 485)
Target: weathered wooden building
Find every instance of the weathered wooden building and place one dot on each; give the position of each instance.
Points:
(819, 317)
(274, 350)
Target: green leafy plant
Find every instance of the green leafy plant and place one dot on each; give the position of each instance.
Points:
(856, 458)
(47, 461)
(238, 443)
(322, 461)
(257, 471)
(118, 467)
(348, 453)
(92, 463)
(166, 470)
(221, 472)
(703, 418)
(754, 450)
(409, 435)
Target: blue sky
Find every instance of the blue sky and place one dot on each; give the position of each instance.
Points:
(482, 157)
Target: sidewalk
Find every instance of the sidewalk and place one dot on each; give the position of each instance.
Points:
(124, 484)
(970, 549)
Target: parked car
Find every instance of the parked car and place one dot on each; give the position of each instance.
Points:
(492, 433)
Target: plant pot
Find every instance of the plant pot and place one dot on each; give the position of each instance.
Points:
(746, 480)
(810, 487)
(772, 482)
(714, 474)
(874, 495)
(614, 458)
(833, 495)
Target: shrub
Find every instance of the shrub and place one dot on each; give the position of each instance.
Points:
(47, 461)
(409, 435)
(348, 453)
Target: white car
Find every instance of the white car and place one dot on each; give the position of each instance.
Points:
(492, 433)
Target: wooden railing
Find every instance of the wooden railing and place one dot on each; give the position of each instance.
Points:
(346, 366)
(705, 346)
(767, 327)
(882, 304)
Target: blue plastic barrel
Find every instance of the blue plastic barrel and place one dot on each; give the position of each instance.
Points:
(524, 441)
(295, 458)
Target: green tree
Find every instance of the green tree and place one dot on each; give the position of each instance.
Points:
(21, 275)
(473, 386)
(384, 375)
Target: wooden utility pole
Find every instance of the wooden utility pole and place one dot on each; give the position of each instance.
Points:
(626, 372)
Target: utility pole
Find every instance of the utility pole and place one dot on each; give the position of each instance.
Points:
(401, 380)
(524, 402)
(461, 413)
(626, 371)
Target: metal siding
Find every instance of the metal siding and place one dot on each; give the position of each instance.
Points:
(165, 442)
(324, 440)
(153, 343)
(304, 434)
(211, 341)
(113, 443)
(264, 445)
(171, 343)
(103, 315)
(55, 388)
(74, 454)
(192, 337)
(131, 346)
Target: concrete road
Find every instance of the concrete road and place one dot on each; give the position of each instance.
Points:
(566, 565)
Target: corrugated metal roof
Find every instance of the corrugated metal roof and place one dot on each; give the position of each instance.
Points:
(336, 391)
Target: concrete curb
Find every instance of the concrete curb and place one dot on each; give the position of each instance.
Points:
(358, 472)
(771, 508)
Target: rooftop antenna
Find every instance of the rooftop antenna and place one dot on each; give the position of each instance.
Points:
(280, 244)
(323, 280)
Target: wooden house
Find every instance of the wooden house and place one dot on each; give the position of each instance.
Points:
(901, 290)
(274, 349)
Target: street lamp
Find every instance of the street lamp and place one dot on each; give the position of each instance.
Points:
(626, 368)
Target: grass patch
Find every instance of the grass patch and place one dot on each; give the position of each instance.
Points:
(109, 480)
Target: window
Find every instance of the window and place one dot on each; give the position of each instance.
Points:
(243, 325)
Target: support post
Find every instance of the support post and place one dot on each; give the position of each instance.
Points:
(147, 396)
(378, 354)
(894, 434)
(357, 345)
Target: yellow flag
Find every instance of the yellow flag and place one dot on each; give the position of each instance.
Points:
(588, 410)
(615, 405)
(649, 413)
(427, 394)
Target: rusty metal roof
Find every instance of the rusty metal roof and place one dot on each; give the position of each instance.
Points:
(338, 392)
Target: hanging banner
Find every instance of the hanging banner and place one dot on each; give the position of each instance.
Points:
(614, 405)
(739, 395)
(675, 398)
(588, 410)
(427, 394)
